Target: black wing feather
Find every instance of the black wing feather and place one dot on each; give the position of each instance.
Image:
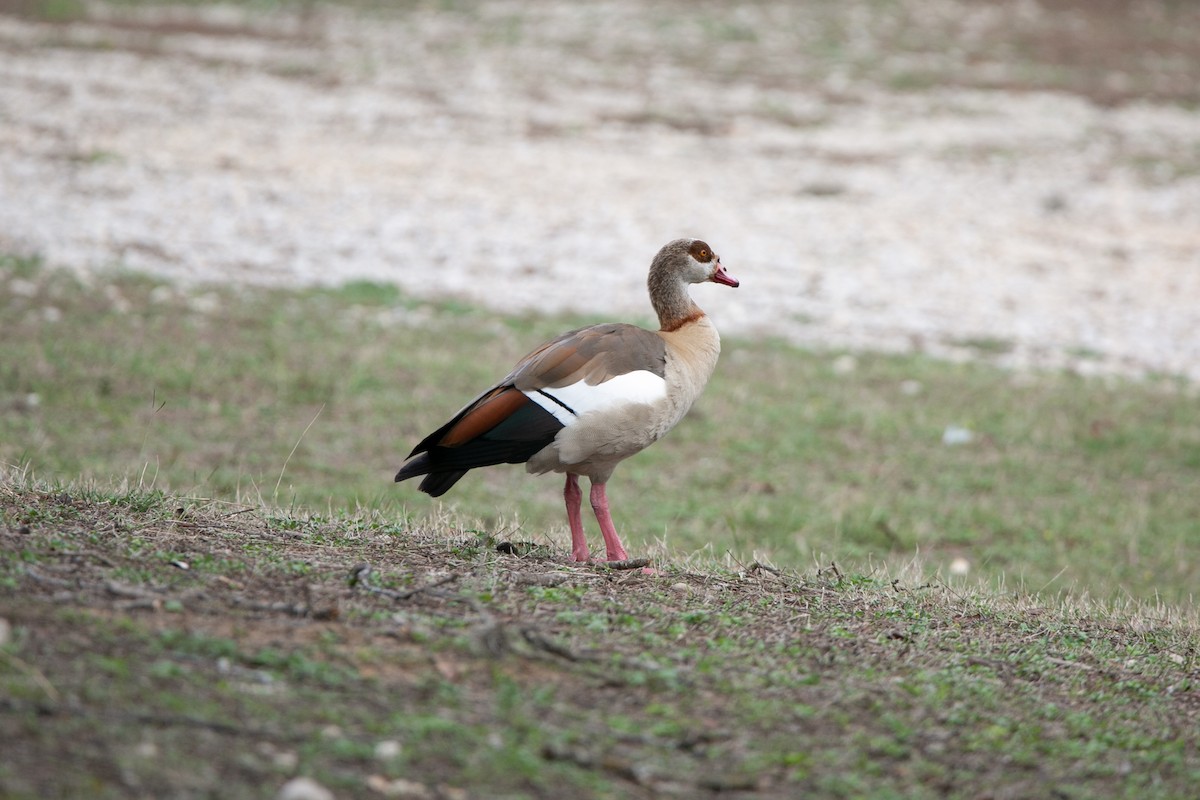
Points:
(513, 440)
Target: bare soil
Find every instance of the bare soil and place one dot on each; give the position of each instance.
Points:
(1013, 180)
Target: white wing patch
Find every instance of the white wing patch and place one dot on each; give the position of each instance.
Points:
(632, 388)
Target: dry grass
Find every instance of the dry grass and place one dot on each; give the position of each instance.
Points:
(239, 646)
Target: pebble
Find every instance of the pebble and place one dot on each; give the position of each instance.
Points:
(398, 787)
(955, 435)
(387, 749)
(303, 789)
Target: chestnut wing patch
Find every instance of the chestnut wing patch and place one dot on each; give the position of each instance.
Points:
(502, 426)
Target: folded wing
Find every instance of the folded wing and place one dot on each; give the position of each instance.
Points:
(601, 367)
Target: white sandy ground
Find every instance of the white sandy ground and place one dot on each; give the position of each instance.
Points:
(539, 168)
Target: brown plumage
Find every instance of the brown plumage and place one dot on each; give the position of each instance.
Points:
(585, 401)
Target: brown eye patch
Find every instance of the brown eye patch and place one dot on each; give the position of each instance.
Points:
(700, 251)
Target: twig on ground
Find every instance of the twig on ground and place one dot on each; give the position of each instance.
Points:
(736, 560)
(46, 580)
(833, 568)
(360, 577)
(541, 642)
(629, 563)
(242, 511)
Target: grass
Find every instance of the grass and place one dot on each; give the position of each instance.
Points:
(191, 482)
(310, 400)
(124, 673)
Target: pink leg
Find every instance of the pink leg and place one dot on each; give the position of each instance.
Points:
(574, 498)
(612, 542)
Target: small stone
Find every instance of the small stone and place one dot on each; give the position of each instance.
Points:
(960, 566)
(146, 750)
(681, 588)
(387, 749)
(954, 435)
(398, 787)
(303, 789)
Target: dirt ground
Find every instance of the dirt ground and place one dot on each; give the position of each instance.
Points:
(162, 647)
(1012, 180)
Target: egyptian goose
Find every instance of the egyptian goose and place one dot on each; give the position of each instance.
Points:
(584, 402)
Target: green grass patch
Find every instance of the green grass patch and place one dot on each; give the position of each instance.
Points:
(311, 399)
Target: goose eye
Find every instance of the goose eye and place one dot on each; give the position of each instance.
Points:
(701, 252)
